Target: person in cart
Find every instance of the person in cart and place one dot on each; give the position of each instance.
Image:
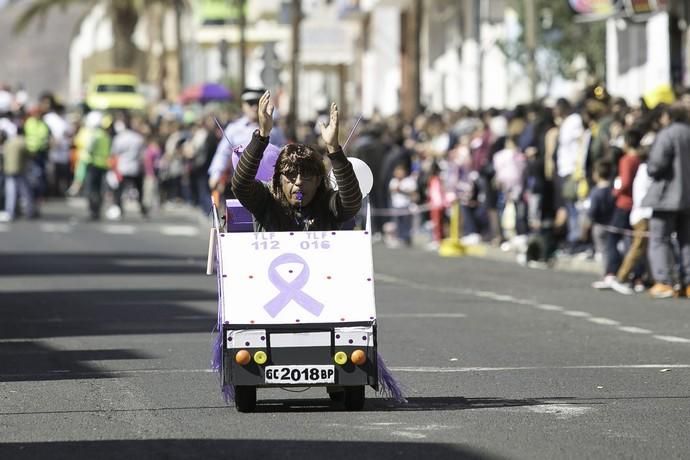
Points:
(275, 330)
(299, 197)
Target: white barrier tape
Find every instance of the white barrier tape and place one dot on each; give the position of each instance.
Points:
(410, 211)
(624, 231)
(420, 209)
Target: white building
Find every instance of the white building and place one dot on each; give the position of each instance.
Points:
(461, 63)
(372, 56)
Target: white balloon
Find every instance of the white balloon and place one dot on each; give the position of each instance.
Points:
(363, 173)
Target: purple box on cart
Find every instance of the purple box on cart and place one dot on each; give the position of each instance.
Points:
(238, 218)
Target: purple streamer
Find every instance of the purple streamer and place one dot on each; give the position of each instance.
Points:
(390, 387)
(228, 392)
(217, 352)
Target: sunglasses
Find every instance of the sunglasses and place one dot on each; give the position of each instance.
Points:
(292, 177)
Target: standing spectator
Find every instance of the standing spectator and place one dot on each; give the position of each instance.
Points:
(403, 188)
(37, 136)
(96, 153)
(571, 131)
(203, 144)
(126, 155)
(601, 206)
(16, 161)
(59, 155)
(152, 156)
(7, 127)
(622, 191)
(509, 165)
(370, 148)
(669, 197)
(633, 263)
(171, 165)
(238, 133)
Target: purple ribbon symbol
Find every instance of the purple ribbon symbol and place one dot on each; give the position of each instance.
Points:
(291, 290)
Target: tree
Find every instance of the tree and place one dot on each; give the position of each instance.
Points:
(558, 31)
(123, 14)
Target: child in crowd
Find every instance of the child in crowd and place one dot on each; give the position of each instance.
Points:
(601, 205)
(436, 198)
(151, 161)
(403, 189)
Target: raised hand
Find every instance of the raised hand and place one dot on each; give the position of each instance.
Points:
(265, 114)
(330, 133)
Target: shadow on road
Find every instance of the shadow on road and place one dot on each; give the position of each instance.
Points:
(31, 361)
(238, 449)
(29, 315)
(20, 264)
(432, 403)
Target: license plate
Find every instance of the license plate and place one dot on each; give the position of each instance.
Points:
(289, 375)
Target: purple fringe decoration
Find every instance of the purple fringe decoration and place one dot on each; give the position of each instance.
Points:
(389, 386)
(216, 351)
(228, 392)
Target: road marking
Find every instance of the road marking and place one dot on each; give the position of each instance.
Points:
(539, 306)
(190, 317)
(179, 230)
(119, 229)
(561, 411)
(672, 339)
(495, 296)
(604, 321)
(452, 370)
(428, 370)
(56, 228)
(634, 330)
(577, 314)
(75, 202)
(421, 315)
(106, 373)
(408, 434)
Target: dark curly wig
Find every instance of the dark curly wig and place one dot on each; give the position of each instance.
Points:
(296, 159)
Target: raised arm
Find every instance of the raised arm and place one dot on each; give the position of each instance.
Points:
(251, 192)
(345, 203)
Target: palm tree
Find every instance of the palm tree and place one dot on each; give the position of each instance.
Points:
(123, 14)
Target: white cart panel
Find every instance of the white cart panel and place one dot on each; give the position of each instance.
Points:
(296, 277)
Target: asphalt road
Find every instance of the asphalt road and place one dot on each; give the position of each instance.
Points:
(105, 336)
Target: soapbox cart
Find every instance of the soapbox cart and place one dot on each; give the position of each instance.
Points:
(295, 309)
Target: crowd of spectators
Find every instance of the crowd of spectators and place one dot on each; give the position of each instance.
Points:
(594, 177)
(156, 159)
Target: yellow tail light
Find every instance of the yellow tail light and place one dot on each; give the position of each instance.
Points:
(260, 357)
(340, 357)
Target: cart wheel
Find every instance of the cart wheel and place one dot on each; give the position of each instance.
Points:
(337, 394)
(354, 397)
(245, 398)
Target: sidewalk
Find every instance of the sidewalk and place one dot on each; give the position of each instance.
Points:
(508, 254)
(563, 262)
